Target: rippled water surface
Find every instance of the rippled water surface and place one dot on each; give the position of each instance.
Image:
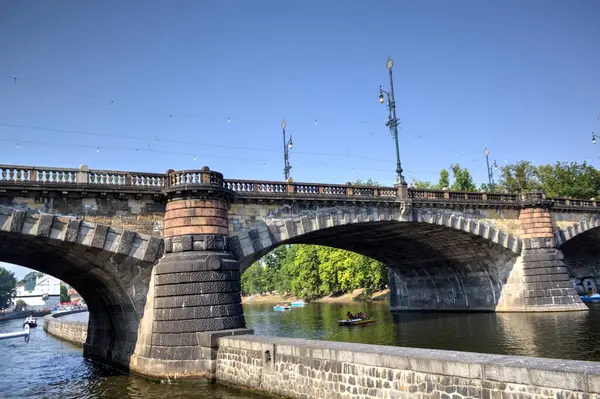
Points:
(568, 335)
(49, 368)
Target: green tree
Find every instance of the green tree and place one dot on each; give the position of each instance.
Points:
(423, 185)
(306, 265)
(489, 188)
(368, 182)
(569, 179)
(20, 305)
(444, 181)
(64, 294)
(521, 177)
(30, 279)
(462, 180)
(8, 287)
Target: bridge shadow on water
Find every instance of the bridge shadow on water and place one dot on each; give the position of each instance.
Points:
(567, 335)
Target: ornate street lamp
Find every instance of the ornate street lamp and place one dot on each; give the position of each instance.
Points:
(490, 170)
(287, 145)
(392, 122)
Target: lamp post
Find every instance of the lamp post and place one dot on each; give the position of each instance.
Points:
(490, 170)
(392, 122)
(287, 145)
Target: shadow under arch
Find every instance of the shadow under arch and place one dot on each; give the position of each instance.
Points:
(432, 266)
(580, 247)
(109, 267)
(581, 230)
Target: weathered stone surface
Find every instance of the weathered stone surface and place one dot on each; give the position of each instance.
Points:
(178, 278)
(300, 368)
(198, 312)
(209, 287)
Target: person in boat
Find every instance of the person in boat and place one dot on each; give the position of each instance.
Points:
(350, 316)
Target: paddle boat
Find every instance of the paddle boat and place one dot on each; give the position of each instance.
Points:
(282, 307)
(298, 303)
(591, 298)
(30, 321)
(355, 322)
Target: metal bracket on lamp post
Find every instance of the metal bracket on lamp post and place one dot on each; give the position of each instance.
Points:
(490, 169)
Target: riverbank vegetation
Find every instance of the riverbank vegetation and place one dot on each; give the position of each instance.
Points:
(562, 179)
(313, 271)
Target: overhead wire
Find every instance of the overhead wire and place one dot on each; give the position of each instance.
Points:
(113, 102)
(195, 156)
(199, 144)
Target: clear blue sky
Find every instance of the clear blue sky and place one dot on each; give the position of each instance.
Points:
(520, 77)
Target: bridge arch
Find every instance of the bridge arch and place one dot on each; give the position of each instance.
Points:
(579, 247)
(110, 268)
(577, 231)
(435, 260)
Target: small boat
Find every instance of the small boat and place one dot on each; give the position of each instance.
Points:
(591, 298)
(282, 307)
(298, 303)
(30, 321)
(355, 322)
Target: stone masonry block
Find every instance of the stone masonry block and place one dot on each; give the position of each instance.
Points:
(17, 220)
(44, 225)
(99, 236)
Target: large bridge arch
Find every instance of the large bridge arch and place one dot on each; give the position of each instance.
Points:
(110, 268)
(437, 261)
(580, 246)
(581, 230)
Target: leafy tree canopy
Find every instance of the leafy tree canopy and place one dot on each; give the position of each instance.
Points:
(8, 287)
(462, 180)
(310, 271)
(368, 182)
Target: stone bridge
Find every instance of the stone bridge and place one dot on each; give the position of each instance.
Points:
(158, 257)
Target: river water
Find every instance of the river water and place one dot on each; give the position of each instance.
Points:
(49, 368)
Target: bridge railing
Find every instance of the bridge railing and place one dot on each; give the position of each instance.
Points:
(257, 187)
(24, 175)
(445, 195)
(34, 176)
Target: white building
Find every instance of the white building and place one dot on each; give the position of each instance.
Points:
(45, 294)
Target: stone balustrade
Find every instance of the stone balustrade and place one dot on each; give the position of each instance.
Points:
(34, 177)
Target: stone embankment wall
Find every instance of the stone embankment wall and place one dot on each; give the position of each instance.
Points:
(68, 330)
(318, 369)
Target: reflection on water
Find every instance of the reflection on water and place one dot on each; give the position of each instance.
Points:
(568, 335)
(49, 368)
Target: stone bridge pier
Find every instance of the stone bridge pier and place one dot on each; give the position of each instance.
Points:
(194, 295)
(539, 280)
